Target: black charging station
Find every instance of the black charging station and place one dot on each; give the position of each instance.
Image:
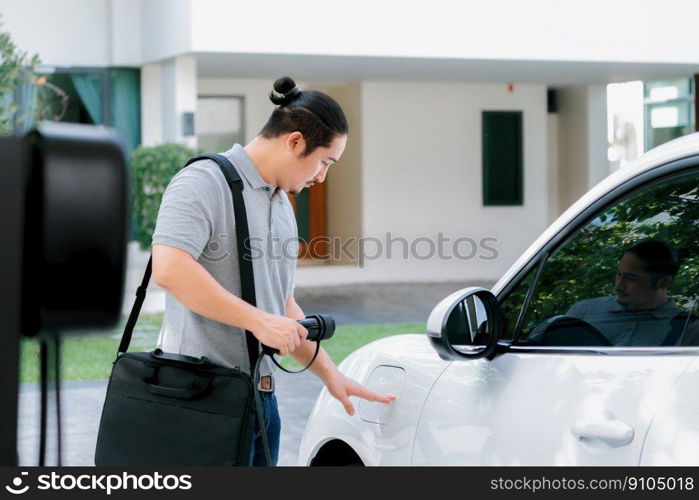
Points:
(65, 222)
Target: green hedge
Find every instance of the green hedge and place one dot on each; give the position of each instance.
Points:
(153, 168)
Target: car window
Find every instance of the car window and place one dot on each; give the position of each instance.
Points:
(629, 277)
(511, 306)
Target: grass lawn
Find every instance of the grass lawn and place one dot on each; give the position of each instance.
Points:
(90, 356)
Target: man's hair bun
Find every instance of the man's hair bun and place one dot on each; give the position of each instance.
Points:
(316, 115)
(285, 91)
(683, 253)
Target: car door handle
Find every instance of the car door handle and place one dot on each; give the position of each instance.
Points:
(613, 432)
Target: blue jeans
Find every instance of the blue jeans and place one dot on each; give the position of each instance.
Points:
(273, 426)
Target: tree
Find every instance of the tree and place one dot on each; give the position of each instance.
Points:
(16, 68)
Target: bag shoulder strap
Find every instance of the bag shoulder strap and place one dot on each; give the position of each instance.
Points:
(242, 232)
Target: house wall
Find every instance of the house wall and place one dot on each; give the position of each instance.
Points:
(421, 149)
(166, 29)
(66, 33)
(126, 45)
(594, 30)
(135, 32)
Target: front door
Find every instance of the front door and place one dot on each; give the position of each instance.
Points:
(309, 207)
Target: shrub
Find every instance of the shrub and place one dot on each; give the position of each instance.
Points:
(153, 167)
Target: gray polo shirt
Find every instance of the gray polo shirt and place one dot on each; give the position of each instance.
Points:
(627, 328)
(196, 215)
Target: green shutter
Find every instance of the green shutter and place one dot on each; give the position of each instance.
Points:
(503, 161)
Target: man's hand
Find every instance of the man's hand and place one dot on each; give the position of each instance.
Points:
(342, 387)
(279, 332)
(339, 386)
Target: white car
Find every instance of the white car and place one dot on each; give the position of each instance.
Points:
(561, 364)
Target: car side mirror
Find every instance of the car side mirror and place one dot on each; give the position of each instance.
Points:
(465, 325)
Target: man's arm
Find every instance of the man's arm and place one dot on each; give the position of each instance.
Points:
(184, 278)
(339, 386)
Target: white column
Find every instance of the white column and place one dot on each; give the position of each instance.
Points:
(582, 136)
(597, 143)
(151, 105)
(179, 96)
(553, 166)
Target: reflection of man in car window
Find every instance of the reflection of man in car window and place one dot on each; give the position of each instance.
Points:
(641, 313)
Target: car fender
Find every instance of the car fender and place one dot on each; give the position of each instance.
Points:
(379, 434)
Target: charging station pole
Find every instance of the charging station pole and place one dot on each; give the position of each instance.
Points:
(12, 156)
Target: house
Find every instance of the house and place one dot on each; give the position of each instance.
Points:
(472, 124)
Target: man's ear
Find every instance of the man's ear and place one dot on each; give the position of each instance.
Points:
(296, 143)
(664, 282)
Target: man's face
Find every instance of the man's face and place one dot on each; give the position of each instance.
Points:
(634, 287)
(304, 171)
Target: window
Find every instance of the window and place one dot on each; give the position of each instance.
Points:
(513, 304)
(100, 96)
(592, 291)
(669, 110)
(220, 122)
(502, 158)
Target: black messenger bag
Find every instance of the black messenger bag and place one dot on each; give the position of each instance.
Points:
(164, 409)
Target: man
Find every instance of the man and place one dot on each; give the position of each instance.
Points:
(195, 254)
(641, 313)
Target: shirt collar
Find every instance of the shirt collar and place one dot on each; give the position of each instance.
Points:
(667, 309)
(247, 168)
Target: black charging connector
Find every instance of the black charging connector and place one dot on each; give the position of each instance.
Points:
(319, 326)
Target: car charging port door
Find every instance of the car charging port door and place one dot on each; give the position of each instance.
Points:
(383, 380)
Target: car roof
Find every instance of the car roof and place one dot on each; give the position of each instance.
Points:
(677, 149)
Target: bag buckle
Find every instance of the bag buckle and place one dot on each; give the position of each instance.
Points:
(266, 384)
